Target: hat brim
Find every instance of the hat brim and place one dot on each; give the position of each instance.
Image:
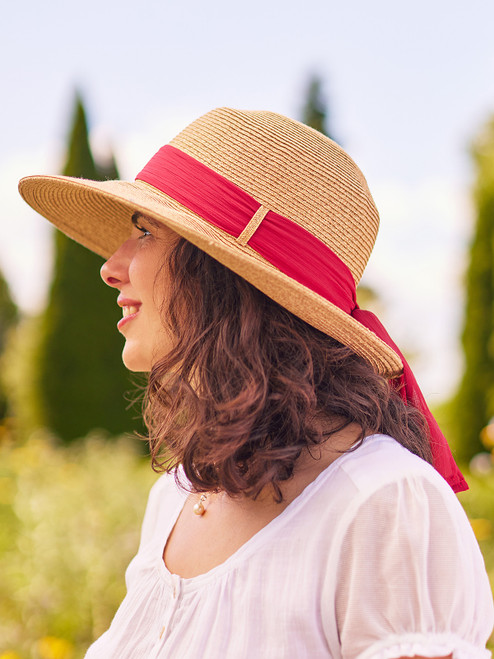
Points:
(97, 214)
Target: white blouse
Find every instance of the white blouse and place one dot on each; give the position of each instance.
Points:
(375, 559)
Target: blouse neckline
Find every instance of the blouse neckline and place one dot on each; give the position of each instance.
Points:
(253, 543)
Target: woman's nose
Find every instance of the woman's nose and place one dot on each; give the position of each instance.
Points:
(115, 271)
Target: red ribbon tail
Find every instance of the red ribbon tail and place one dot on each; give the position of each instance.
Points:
(410, 392)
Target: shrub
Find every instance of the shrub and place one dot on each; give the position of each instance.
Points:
(69, 524)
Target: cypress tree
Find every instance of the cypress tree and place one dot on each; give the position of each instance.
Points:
(474, 403)
(8, 311)
(8, 319)
(81, 375)
(315, 112)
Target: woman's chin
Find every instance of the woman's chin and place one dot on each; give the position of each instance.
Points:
(135, 361)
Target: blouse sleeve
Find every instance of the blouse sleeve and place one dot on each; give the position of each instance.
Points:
(411, 578)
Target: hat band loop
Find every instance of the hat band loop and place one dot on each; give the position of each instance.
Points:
(253, 225)
(286, 245)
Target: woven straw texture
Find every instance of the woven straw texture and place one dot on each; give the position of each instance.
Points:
(286, 166)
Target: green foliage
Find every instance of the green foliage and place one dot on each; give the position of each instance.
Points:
(8, 312)
(315, 111)
(477, 502)
(81, 379)
(474, 403)
(19, 376)
(8, 319)
(69, 525)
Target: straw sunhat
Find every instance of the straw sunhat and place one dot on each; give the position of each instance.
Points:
(297, 179)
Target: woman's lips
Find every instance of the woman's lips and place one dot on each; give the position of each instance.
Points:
(129, 312)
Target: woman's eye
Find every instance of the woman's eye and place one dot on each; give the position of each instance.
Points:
(144, 231)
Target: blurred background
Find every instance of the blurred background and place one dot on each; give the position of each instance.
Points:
(93, 89)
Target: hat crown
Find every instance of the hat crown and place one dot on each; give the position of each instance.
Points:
(293, 170)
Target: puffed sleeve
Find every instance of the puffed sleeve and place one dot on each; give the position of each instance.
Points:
(411, 578)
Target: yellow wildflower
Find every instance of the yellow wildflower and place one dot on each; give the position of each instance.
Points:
(51, 647)
(482, 528)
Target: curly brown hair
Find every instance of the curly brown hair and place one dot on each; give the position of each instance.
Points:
(236, 401)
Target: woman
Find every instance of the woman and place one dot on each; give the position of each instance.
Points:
(301, 516)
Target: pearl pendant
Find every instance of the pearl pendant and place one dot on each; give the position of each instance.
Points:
(199, 506)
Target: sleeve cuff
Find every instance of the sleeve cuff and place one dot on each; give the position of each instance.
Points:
(425, 645)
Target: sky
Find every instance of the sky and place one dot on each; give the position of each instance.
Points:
(409, 87)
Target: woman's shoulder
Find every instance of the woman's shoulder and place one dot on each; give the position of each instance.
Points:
(379, 476)
(386, 493)
(383, 456)
(381, 462)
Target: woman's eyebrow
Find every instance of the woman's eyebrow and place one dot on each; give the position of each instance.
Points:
(137, 216)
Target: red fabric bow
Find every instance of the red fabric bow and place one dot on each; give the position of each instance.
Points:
(410, 392)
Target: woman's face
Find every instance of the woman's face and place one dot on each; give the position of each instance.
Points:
(134, 269)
